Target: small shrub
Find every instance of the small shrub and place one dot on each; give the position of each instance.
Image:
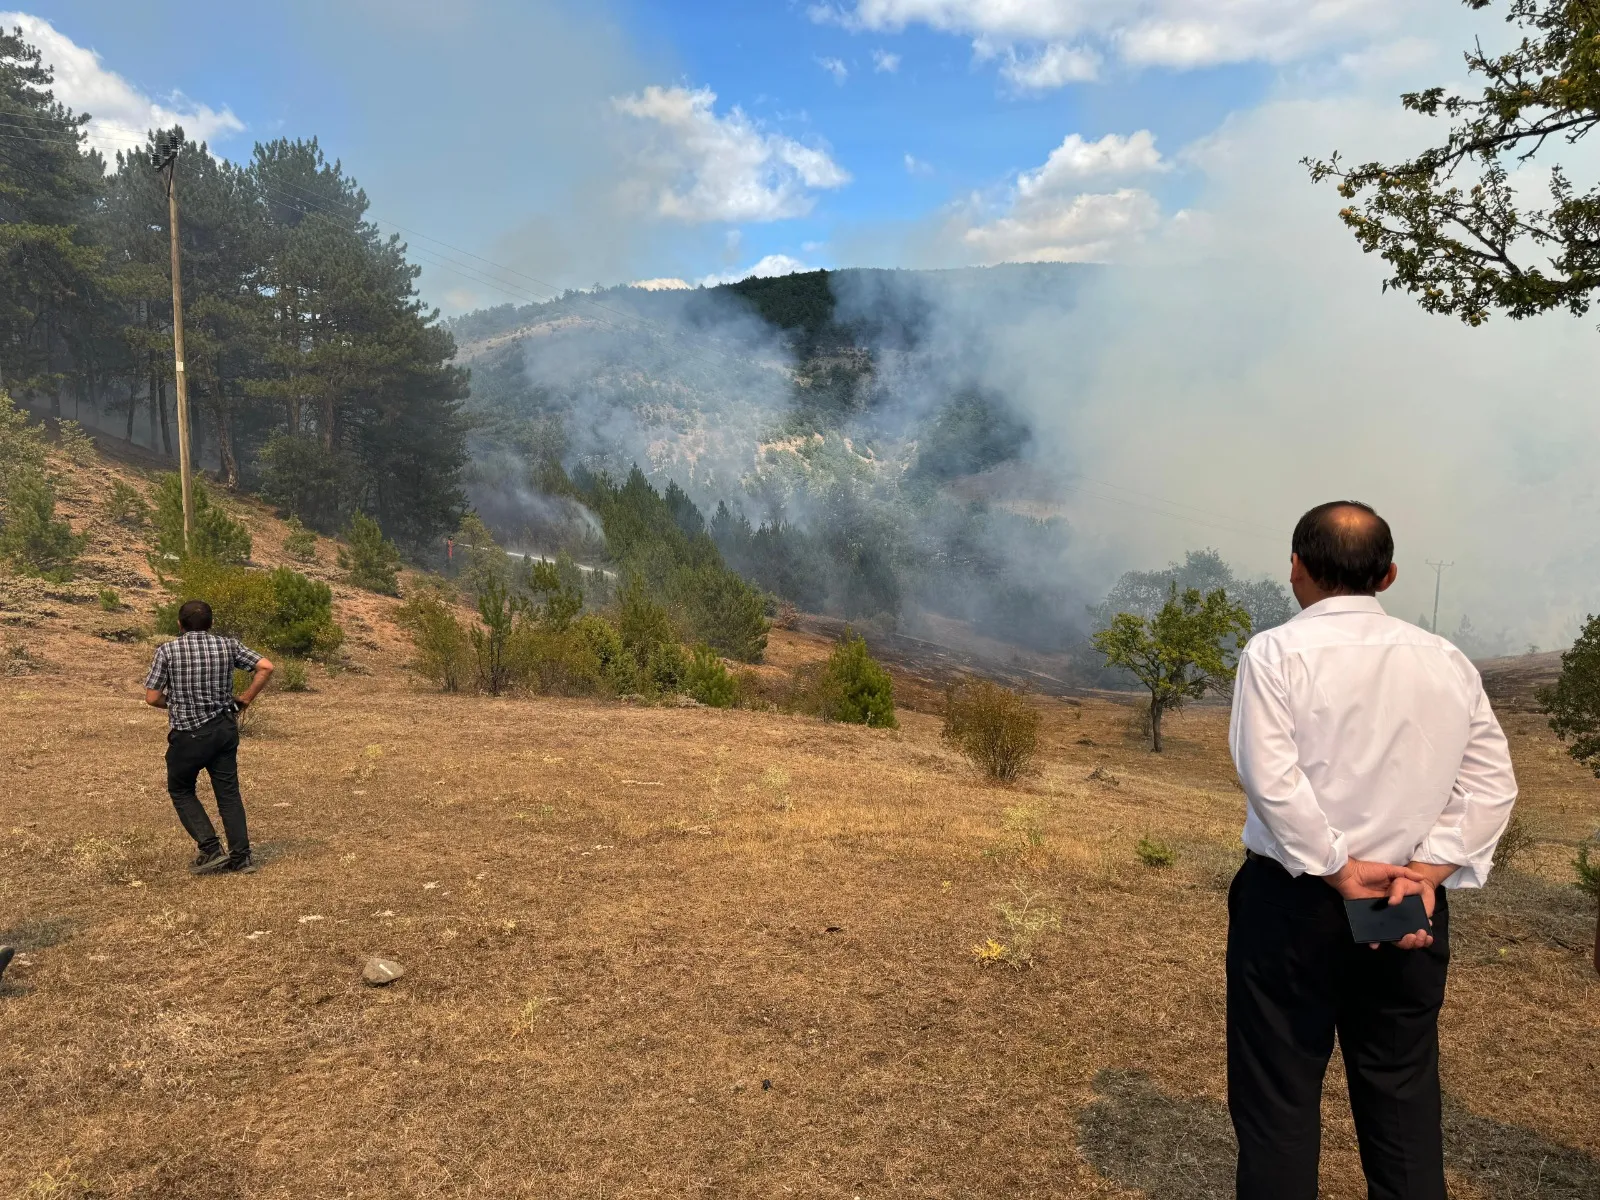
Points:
(708, 681)
(444, 652)
(31, 539)
(77, 445)
(1156, 854)
(788, 616)
(642, 623)
(371, 558)
(491, 642)
(110, 601)
(618, 669)
(855, 688)
(126, 506)
(1028, 919)
(300, 543)
(279, 610)
(216, 537)
(1023, 821)
(1588, 872)
(292, 676)
(994, 727)
(554, 661)
(1516, 841)
(21, 443)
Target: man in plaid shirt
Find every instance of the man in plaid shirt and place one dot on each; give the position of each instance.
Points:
(192, 678)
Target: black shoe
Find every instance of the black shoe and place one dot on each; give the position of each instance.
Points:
(6, 955)
(238, 864)
(208, 862)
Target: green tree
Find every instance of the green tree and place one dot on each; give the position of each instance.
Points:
(299, 543)
(483, 563)
(645, 627)
(1573, 702)
(50, 264)
(500, 609)
(371, 559)
(708, 681)
(31, 539)
(216, 536)
(855, 688)
(1187, 648)
(1453, 222)
(558, 589)
(21, 443)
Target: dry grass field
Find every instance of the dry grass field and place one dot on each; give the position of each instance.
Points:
(676, 952)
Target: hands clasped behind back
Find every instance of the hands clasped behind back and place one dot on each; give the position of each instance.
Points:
(1360, 879)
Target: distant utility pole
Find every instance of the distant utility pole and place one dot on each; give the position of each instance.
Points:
(165, 160)
(1438, 579)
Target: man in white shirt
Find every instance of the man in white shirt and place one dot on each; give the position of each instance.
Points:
(1372, 765)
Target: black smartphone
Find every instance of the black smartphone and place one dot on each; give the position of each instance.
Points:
(1379, 921)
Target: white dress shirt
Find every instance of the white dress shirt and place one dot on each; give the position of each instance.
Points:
(1357, 735)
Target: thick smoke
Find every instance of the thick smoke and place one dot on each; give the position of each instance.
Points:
(1245, 367)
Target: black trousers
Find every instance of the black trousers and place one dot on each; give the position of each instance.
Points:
(1295, 978)
(213, 748)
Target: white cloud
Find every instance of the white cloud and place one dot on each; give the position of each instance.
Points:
(1048, 216)
(1054, 65)
(661, 285)
(915, 166)
(836, 68)
(769, 267)
(1170, 33)
(884, 62)
(122, 114)
(703, 167)
(1077, 159)
(1089, 227)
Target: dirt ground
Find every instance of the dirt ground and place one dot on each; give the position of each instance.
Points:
(672, 952)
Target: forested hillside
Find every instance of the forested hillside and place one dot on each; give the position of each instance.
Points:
(839, 435)
(316, 376)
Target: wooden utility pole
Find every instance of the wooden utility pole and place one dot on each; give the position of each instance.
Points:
(166, 159)
(1438, 582)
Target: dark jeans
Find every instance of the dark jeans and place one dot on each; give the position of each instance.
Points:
(214, 748)
(1295, 978)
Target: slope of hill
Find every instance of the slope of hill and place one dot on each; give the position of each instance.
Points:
(847, 420)
(660, 951)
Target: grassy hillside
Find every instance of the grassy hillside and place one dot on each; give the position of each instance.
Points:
(661, 951)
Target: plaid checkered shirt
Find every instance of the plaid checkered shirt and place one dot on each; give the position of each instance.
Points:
(196, 673)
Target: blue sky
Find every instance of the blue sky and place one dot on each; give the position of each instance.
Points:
(495, 126)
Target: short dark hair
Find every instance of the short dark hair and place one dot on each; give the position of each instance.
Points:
(1345, 546)
(194, 616)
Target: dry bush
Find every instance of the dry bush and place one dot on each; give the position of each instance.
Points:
(1027, 920)
(444, 653)
(995, 727)
(1516, 841)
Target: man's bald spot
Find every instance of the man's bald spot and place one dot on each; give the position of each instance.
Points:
(1345, 546)
(1354, 521)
